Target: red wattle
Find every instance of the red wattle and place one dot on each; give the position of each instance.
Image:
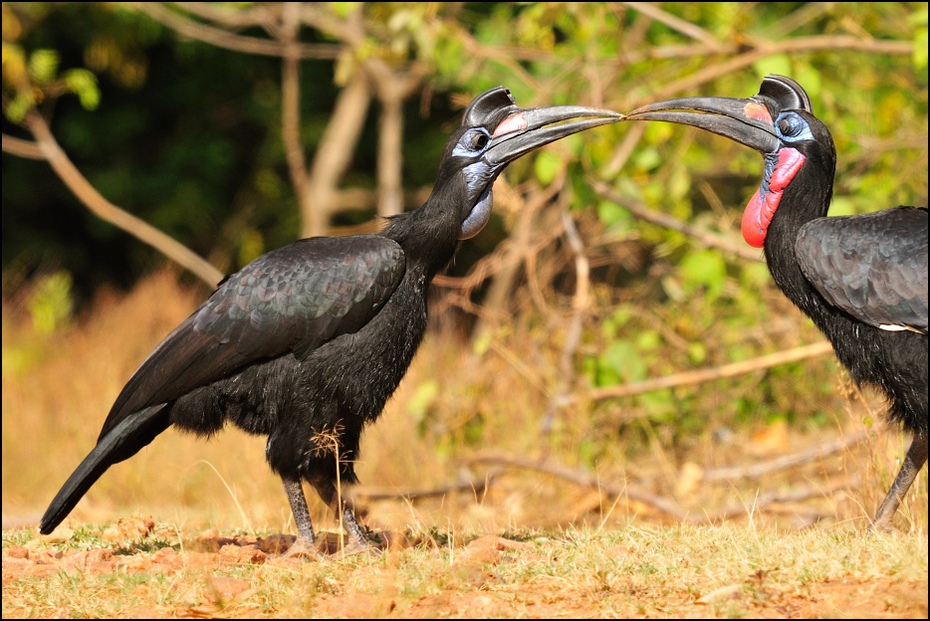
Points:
(754, 227)
(762, 205)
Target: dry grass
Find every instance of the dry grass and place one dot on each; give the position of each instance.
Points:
(615, 557)
(682, 571)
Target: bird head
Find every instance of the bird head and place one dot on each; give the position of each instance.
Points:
(495, 132)
(778, 122)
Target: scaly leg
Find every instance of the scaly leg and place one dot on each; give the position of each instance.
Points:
(306, 539)
(915, 459)
(357, 531)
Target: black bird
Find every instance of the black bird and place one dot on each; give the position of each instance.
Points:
(861, 279)
(310, 340)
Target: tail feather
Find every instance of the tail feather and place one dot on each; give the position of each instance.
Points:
(122, 442)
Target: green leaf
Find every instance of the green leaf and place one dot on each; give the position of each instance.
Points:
(920, 49)
(344, 9)
(20, 105)
(83, 83)
(547, 165)
(647, 158)
(777, 63)
(842, 206)
(697, 352)
(422, 399)
(704, 268)
(623, 360)
(43, 66)
(51, 303)
(615, 218)
(648, 340)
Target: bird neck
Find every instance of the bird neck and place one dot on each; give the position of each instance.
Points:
(428, 235)
(807, 198)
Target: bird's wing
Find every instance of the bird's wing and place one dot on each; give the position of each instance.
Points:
(291, 300)
(873, 266)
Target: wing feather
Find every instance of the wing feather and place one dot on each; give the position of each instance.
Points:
(290, 300)
(873, 266)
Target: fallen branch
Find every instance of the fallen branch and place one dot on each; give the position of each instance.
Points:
(765, 500)
(583, 478)
(785, 461)
(472, 485)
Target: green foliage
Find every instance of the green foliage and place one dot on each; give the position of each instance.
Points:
(422, 401)
(37, 78)
(43, 66)
(83, 83)
(704, 271)
(617, 219)
(620, 362)
(50, 305)
(547, 165)
(918, 20)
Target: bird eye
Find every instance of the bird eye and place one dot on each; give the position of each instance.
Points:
(791, 125)
(476, 140)
(479, 141)
(472, 143)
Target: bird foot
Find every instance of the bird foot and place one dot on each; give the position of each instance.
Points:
(881, 527)
(336, 545)
(355, 548)
(304, 549)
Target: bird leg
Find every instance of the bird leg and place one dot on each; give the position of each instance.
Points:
(306, 539)
(356, 530)
(914, 460)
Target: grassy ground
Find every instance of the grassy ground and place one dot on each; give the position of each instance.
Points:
(679, 571)
(574, 540)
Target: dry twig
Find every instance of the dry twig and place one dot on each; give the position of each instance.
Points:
(785, 461)
(706, 375)
(474, 485)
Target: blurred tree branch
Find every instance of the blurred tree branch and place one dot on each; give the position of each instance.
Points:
(290, 97)
(316, 189)
(47, 148)
(663, 504)
(257, 16)
(708, 239)
(22, 148)
(699, 376)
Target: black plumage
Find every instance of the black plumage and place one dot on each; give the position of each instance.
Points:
(866, 265)
(861, 279)
(313, 338)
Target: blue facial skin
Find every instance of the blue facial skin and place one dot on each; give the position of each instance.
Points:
(478, 176)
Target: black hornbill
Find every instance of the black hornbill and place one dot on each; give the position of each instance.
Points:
(861, 279)
(310, 340)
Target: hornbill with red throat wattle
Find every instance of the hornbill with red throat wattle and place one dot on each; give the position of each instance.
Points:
(862, 279)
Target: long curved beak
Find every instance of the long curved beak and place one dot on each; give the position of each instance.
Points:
(747, 121)
(525, 130)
